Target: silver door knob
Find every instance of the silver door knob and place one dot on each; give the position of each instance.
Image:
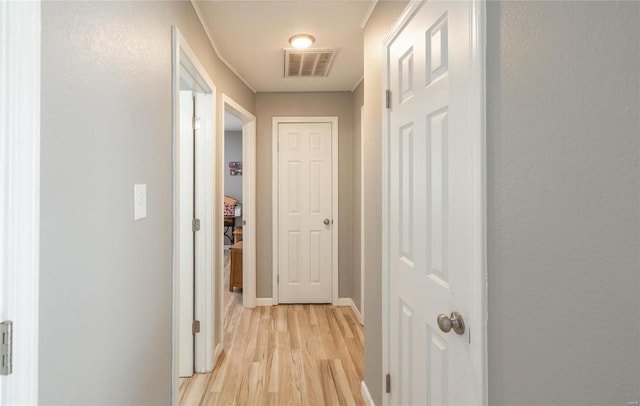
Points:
(326, 222)
(455, 322)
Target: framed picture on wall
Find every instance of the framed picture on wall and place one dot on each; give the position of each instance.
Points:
(235, 168)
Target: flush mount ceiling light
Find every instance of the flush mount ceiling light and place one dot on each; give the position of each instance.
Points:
(301, 41)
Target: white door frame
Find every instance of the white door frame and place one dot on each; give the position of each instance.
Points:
(248, 201)
(362, 216)
(20, 41)
(333, 120)
(184, 58)
(479, 283)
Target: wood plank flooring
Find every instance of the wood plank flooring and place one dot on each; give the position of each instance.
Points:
(284, 355)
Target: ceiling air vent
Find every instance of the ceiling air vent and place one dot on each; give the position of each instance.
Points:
(308, 62)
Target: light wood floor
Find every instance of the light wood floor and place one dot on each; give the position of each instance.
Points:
(283, 355)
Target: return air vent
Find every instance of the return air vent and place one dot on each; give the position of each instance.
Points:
(308, 63)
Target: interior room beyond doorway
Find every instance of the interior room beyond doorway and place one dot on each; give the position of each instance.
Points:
(233, 202)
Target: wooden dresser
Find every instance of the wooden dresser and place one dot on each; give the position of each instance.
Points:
(235, 272)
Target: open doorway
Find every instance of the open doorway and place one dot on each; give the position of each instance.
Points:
(193, 198)
(233, 222)
(237, 170)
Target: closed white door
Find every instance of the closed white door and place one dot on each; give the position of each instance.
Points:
(433, 210)
(304, 218)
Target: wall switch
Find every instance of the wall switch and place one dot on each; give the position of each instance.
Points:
(139, 201)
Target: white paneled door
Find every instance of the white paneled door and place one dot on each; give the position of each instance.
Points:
(433, 210)
(305, 212)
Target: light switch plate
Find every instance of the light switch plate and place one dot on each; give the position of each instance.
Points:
(139, 201)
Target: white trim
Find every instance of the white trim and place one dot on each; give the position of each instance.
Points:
(367, 15)
(264, 301)
(362, 216)
(334, 204)
(196, 8)
(348, 301)
(357, 83)
(20, 46)
(248, 199)
(274, 211)
(368, 400)
(205, 284)
(479, 283)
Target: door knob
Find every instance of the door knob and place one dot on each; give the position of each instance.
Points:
(455, 322)
(326, 222)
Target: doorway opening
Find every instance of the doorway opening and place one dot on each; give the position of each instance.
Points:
(233, 234)
(237, 173)
(193, 198)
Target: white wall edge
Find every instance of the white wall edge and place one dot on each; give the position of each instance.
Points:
(20, 104)
(368, 400)
(264, 301)
(347, 301)
(362, 216)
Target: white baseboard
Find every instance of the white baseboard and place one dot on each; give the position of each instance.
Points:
(264, 301)
(368, 400)
(347, 301)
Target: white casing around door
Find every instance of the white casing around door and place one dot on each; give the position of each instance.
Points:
(305, 199)
(432, 208)
(185, 234)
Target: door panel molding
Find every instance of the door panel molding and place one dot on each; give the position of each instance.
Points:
(333, 120)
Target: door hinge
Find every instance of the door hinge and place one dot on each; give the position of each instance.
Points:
(195, 225)
(388, 383)
(195, 327)
(388, 101)
(6, 347)
(196, 123)
(278, 278)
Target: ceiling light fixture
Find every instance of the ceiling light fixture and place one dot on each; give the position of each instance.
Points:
(301, 41)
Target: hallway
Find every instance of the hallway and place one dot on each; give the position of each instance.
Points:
(284, 355)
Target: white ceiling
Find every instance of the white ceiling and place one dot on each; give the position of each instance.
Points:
(250, 37)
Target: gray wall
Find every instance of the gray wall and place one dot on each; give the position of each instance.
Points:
(382, 19)
(269, 105)
(563, 202)
(232, 152)
(358, 102)
(105, 280)
(563, 153)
